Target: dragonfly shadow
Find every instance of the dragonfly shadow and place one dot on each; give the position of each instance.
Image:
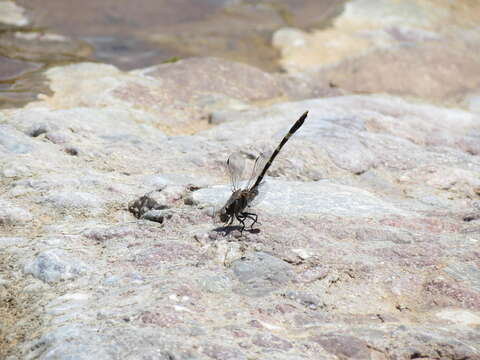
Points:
(227, 230)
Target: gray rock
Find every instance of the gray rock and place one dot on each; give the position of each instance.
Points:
(75, 201)
(157, 215)
(261, 274)
(307, 199)
(11, 241)
(55, 265)
(104, 234)
(467, 272)
(271, 341)
(73, 342)
(13, 215)
(219, 352)
(12, 142)
(215, 284)
(344, 346)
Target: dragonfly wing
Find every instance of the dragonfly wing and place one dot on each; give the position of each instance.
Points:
(260, 163)
(236, 167)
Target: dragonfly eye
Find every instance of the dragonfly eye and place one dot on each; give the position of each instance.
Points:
(223, 215)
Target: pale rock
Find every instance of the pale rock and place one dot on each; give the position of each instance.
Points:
(55, 265)
(12, 14)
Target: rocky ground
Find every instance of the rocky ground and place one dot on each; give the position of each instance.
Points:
(368, 246)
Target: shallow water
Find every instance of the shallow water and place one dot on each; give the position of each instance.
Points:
(136, 34)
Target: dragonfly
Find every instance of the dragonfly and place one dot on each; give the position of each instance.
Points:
(241, 198)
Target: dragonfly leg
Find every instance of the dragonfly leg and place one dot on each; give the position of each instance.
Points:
(251, 216)
(241, 219)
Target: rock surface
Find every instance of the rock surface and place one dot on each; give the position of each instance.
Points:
(366, 244)
(411, 48)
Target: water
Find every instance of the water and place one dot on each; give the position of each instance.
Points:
(136, 34)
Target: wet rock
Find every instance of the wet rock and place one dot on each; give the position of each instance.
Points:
(289, 38)
(43, 47)
(443, 79)
(261, 274)
(55, 265)
(370, 38)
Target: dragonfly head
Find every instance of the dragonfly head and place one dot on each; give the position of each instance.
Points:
(222, 213)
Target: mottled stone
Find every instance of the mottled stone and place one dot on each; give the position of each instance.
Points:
(459, 316)
(166, 252)
(308, 300)
(165, 318)
(448, 293)
(212, 75)
(261, 274)
(12, 142)
(104, 234)
(271, 341)
(216, 283)
(55, 265)
(75, 201)
(344, 346)
(219, 352)
(13, 215)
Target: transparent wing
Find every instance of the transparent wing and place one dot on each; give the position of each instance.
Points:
(260, 163)
(235, 167)
(261, 191)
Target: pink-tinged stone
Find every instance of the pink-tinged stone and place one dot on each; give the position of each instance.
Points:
(271, 341)
(446, 293)
(164, 318)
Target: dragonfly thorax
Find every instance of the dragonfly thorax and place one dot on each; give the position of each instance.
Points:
(236, 204)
